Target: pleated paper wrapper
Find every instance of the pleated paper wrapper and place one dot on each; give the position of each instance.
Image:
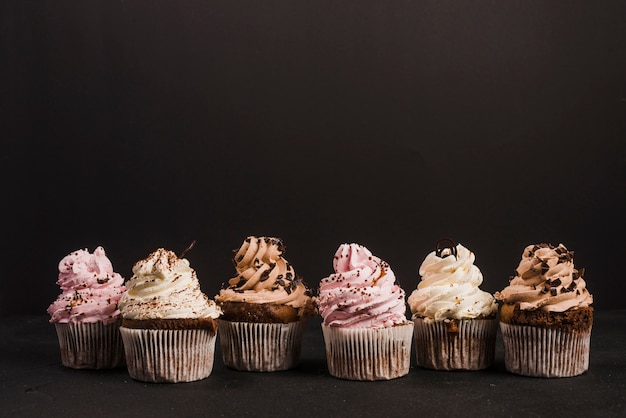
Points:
(260, 347)
(90, 345)
(544, 352)
(169, 356)
(471, 348)
(368, 353)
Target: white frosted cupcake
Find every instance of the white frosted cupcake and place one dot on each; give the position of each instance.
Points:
(455, 321)
(85, 314)
(169, 326)
(265, 309)
(366, 332)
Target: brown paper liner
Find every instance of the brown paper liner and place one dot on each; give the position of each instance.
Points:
(169, 356)
(545, 352)
(90, 345)
(368, 353)
(471, 348)
(260, 347)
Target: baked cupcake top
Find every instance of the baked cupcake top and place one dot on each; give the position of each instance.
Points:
(90, 289)
(164, 286)
(449, 288)
(547, 280)
(362, 293)
(264, 276)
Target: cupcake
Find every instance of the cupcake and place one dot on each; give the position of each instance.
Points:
(455, 321)
(366, 332)
(85, 314)
(546, 315)
(169, 326)
(265, 309)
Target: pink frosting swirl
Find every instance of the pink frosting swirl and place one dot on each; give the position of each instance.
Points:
(362, 293)
(90, 289)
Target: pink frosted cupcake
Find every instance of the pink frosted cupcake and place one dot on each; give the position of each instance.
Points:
(85, 314)
(455, 321)
(366, 332)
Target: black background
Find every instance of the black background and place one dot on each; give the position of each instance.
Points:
(144, 124)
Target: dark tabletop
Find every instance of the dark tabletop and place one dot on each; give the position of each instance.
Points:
(34, 383)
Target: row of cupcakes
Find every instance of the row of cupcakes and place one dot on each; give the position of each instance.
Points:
(164, 328)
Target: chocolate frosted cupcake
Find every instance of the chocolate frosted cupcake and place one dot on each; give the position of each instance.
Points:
(85, 314)
(265, 307)
(455, 321)
(546, 315)
(366, 332)
(169, 326)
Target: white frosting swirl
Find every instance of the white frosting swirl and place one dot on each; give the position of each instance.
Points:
(449, 288)
(164, 286)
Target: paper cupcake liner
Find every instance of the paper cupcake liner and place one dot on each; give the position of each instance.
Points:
(90, 345)
(543, 352)
(260, 347)
(472, 348)
(368, 353)
(168, 356)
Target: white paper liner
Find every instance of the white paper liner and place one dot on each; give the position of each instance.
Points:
(90, 345)
(169, 356)
(260, 347)
(543, 352)
(472, 348)
(368, 353)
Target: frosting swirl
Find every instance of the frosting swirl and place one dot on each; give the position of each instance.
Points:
(164, 286)
(264, 276)
(547, 280)
(90, 289)
(362, 293)
(449, 287)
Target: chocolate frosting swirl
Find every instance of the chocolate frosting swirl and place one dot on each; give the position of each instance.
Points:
(546, 279)
(264, 276)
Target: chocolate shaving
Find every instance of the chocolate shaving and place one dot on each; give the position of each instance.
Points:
(580, 272)
(182, 255)
(264, 276)
(452, 248)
